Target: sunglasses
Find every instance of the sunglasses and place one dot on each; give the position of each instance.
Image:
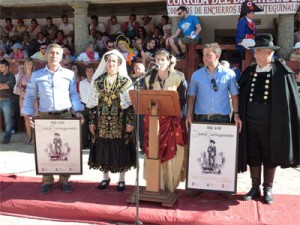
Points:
(110, 46)
(43, 48)
(179, 13)
(214, 83)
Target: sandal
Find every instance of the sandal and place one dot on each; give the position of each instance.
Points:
(104, 184)
(121, 186)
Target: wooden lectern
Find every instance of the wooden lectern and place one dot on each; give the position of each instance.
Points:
(155, 104)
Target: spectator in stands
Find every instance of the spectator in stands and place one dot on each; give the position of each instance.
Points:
(1, 30)
(20, 29)
(49, 29)
(167, 34)
(111, 120)
(163, 21)
(190, 27)
(68, 57)
(148, 52)
(246, 27)
(21, 85)
(113, 27)
(84, 86)
(131, 27)
(100, 27)
(7, 83)
(41, 55)
(63, 83)
(79, 74)
(90, 55)
(30, 46)
(159, 39)
(17, 54)
(9, 29)
(142, 34)
(42, 39)
(110, 45)
(148, 25)
(6, 42)
(123, 45)
(34, 29)
(67, 28)
(61, 39)
(93, 37)
(295, 56)
(2, 51)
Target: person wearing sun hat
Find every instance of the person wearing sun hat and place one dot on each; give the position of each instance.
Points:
(295, 56)
(270, 110)
(246, 29)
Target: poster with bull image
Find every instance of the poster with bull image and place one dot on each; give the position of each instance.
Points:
(212, 158)
(58, 146)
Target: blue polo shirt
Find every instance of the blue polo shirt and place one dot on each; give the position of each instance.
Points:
(209, 101)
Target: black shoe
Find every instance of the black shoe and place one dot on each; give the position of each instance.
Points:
(66, 187)
(46, 188)
(121, 186)
(253, 193)
(104, 184)
(268, 196)
(5, 142)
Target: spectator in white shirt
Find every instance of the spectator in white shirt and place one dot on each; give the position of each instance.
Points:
(100, 27)
(67, 28)
(90, 55)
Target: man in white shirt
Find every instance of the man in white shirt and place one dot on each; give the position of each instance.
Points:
(67, 28)
(84, 86)
(100, 27)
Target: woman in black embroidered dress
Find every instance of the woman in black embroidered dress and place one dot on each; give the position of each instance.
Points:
(111, 120)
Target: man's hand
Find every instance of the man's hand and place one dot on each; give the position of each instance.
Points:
(29, 121)
(79, 115)
(188, 121)
(238, 122)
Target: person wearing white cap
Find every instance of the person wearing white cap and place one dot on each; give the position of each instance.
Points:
(295, 56)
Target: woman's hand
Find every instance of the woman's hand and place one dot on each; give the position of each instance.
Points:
(92, 129)
(129, 128)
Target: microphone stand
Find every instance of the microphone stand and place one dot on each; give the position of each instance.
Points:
(136, 85)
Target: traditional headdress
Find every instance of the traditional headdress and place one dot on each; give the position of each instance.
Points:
(101, 70)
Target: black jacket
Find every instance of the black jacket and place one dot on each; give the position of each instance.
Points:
(285, 116)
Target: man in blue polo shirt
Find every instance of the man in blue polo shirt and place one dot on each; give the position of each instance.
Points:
(210, 87)
(190, 27)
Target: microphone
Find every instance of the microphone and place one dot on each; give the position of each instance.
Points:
(154, 66)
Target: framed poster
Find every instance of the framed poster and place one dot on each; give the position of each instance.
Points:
(58, 146)
(212, 158)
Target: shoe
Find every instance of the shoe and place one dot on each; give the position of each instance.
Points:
(253, 193)
(183, 55)
(4, 142)
(46, 188)
(121, 186)
(104, 184)
(268, 196)
(66, 187)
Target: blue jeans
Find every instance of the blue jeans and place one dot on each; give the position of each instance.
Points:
(6, 108)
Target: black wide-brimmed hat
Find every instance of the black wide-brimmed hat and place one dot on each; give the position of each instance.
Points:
(264, 41)
(248, 7)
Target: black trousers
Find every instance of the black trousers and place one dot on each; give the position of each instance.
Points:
(258, 129)
(86, 136)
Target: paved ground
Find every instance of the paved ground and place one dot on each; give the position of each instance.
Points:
(18, 158)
